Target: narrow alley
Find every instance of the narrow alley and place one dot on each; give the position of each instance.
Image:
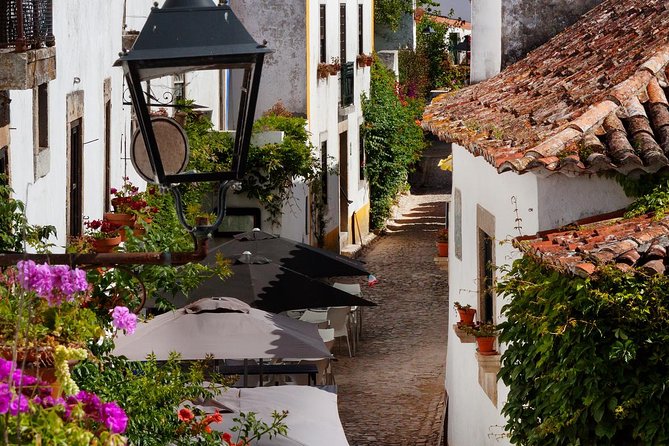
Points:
(392, 392)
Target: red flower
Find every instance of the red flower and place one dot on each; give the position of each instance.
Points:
(186, 415)
(227, 438)
(213, 418)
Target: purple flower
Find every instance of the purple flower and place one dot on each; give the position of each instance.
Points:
(5, 398)
(18, 404)
(112, 416)
(123, 319)
(26, 271)
(91, 403)
(5, 368)
(21, 379)
(79, 278)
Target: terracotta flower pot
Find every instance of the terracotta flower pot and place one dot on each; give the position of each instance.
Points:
(102, 245)
(486, 345)
(121, 220)
(442, 248)
(467, 316)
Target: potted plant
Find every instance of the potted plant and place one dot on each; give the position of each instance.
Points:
(335, 66)
(323, 71)
(485, 334)
(33, 417)
(122, 201)
(103, 235)
(45, 323)
(364, 60)
(466, 313)
(442, 242)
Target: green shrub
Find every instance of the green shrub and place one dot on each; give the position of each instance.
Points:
(393, 141)
(587, 360)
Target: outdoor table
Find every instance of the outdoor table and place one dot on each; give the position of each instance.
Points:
(270, 369)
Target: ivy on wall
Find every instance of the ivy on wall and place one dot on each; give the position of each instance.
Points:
(393, 141)
(587, 360)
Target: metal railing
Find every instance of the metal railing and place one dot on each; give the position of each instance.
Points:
(26, 24)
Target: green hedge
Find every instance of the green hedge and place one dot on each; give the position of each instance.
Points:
(393, 141)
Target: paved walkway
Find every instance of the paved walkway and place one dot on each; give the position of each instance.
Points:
(392, 392)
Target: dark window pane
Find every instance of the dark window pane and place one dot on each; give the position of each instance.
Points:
(360, 45)
(323, 53)
(342, 33)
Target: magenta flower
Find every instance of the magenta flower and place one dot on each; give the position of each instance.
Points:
(5, 398)
(53, 283)
(112, 416)
(19, 404)
(123, 319)
(5, 368)
(79, 278)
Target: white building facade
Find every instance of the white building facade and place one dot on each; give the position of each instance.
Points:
(65, 130)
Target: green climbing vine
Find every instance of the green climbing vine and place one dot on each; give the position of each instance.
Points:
(587, 360)
(393, 141)
(271, 168)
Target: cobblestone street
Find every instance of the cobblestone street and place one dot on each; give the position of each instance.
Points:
(391, 393)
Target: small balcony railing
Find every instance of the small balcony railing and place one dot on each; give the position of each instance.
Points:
(26, 24)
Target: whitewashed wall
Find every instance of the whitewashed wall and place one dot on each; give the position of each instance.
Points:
(563, 201)
(542, 203)
(323, 112)
(486, 43)
(472, 418)
(88, 40)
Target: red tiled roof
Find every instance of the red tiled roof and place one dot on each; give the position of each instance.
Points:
(593, 98)
(451, 23)
(640, 242)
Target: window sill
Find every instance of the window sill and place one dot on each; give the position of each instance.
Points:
(489, 366)
(464, 337)
(345, 111)
(23, 71)
(42, 162)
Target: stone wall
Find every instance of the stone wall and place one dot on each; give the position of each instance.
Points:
(283, 25)
(526, 24)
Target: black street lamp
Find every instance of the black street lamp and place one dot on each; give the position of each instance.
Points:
(186, 36)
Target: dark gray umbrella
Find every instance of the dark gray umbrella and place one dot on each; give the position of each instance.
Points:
(271, 287)
(299, 257)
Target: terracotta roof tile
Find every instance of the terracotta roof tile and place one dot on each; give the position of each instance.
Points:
(641, 242)
(597, 91)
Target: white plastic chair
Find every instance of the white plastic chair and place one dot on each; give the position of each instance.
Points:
(356, 312)
(338, 317)
(327, 334)
(315, 317)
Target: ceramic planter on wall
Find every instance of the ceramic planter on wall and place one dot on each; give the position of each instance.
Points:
(442, 248)
(466, 316)
(486, 345)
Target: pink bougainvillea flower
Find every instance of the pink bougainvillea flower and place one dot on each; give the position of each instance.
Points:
(123, 319)
(112, 416)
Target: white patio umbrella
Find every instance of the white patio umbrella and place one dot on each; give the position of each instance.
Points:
(313, 418)
(225, 327)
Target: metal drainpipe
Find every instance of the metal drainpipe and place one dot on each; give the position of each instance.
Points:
(20, 43)
(111, 259)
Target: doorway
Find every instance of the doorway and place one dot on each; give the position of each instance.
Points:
(75, 188)
(343, 182)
